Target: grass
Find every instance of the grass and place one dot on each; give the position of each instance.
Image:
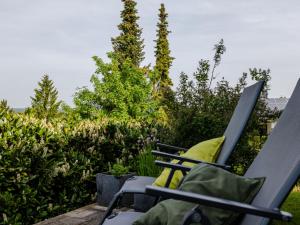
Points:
(291, 205)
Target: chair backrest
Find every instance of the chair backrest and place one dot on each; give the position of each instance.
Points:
(239, 120)
(278, 161)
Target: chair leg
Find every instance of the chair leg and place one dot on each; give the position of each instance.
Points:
(114, 203)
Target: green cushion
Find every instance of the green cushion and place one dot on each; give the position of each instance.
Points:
(206, 151)
(206, 180)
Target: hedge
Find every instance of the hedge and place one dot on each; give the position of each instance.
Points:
(47, 169)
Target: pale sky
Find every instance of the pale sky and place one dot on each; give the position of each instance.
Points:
(59, 37)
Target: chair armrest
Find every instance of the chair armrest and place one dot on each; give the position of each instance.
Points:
(219, 203)
(171, 147)
(184, 159)
(173, 166)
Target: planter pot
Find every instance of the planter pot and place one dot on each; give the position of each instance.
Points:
(108, 185)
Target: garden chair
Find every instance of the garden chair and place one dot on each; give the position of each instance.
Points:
(278, 162)
(232, 135)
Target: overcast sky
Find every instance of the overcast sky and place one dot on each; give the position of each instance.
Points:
(59, 37)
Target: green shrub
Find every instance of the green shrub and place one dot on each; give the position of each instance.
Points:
(49, 168)
(119, 90)
(118, 169)
(200, 112)
(30, 154)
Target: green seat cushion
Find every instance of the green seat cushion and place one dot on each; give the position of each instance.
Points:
(206, 180)
(206, 151)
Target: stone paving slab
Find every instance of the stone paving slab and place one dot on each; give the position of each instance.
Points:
(87, 215)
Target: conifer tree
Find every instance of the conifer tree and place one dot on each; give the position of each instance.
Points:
(44, 104)
(4, 107)
(129, 45)
(162, 53)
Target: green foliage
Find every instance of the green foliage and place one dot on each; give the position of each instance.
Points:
(145, 164)
(122, 91)
(220, 49)
(260, 74)
(161, 79)
(118, 169)
(129, 44)
(44, 104)
(49, 168)
(4, 107)
(256, 132)
(200, 112)
(292, 206)
(29, 154)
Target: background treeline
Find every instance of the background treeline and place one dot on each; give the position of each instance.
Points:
(50, 154)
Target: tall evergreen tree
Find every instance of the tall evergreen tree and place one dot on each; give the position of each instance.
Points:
(44, 104)
(162, 81)
(4, 107)
(129, 43)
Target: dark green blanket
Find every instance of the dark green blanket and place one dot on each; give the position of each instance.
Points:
(206, 180)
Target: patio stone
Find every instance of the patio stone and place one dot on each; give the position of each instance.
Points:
(87, 215)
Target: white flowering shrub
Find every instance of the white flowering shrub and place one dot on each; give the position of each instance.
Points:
(49, 168)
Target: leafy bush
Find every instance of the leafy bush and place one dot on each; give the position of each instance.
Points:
(31, 155)
(200, 112)
(120, 90)
(49, 168)
(118, 169)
